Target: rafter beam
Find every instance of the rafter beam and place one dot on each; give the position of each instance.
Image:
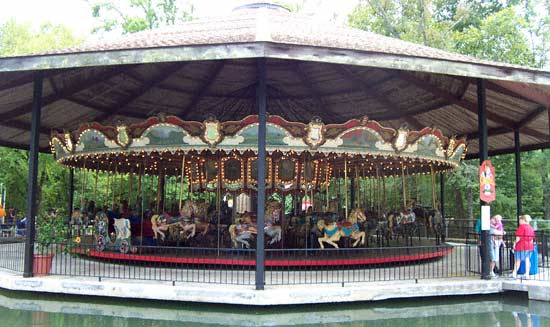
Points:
(105, 109)
(395, 115)
(530, 147)
(14, 145)
(522, 90)
(67, 92)
(216, 70)
(136, 94)
(530, 117)
(27, 78)
(317, 96)
(465, 104)
(26, 127)
(490, 132)
(368, 90)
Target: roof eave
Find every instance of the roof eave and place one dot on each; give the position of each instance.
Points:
(273, 50)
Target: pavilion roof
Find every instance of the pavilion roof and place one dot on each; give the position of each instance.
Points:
(209, 67)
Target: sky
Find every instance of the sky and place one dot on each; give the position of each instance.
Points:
(77, 14)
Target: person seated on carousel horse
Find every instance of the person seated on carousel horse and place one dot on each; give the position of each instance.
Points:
(76, 217)
(409, 216)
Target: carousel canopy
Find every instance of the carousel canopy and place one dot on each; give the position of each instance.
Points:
(208, 67)
(298, 154)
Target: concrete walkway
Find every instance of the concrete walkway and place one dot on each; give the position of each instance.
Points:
(272, 295)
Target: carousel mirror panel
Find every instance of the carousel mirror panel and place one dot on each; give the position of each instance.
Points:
(253, 173)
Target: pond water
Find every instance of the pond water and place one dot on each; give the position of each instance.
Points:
(512, 309)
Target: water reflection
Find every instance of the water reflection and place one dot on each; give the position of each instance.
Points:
(17, 309)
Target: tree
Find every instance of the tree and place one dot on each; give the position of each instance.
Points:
(500, 37)
(17, 39)
(132, 16)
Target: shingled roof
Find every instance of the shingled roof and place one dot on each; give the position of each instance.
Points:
(208, 66)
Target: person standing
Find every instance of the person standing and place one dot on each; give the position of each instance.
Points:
(524, 245)
(496, 232)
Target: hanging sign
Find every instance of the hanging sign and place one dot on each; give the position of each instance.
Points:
(487, 185)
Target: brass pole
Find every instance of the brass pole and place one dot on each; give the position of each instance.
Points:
(130, 186)
(378, 209)
(181, 180)
(108, 186)
(417, 188)
(328, 184)
(433, 186)
(357, 188)
(114, 186)
(158, 191)
(346, 183)
(384, 193)
(120, 189)
(403, 184)
(139, 182)
(95, 187)
(82, 189)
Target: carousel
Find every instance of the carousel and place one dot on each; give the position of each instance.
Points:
(172, 183)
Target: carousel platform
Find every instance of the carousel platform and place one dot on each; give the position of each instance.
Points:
(345, 257)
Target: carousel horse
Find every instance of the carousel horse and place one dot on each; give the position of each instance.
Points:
(164, 223)
(245, 228)
(200, 215)
(350, 228)
(428, 216)
(123, 234)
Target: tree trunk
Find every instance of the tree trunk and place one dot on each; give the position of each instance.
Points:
(470, 197)
(459, 204)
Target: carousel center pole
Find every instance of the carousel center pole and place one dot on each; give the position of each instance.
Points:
(261, 98)
(32, 186)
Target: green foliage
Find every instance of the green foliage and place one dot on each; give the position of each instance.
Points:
(508, 31)
(499, 37)
(132, 16)
(50, 231)
(17, 39)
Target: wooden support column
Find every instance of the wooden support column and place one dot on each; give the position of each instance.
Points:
(32, 186)
(519, 193)
(261, 99)
(483, 155)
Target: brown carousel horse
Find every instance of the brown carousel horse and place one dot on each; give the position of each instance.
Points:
(242, 231)
(350, 228)
(200, 215)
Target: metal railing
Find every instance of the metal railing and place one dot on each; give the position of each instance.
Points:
(283, 266)
(12, 253)
(505, 264)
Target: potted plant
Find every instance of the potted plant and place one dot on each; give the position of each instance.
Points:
(51, 232)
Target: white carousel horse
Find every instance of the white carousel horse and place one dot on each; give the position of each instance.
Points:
(350, 228)
(245, 228)
(122, 229)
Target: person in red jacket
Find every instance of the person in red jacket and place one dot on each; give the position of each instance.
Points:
(524, 245)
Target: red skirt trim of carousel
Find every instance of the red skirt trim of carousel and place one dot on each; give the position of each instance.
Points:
(268, 262)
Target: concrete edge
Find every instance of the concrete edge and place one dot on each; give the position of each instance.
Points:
(247, 295)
